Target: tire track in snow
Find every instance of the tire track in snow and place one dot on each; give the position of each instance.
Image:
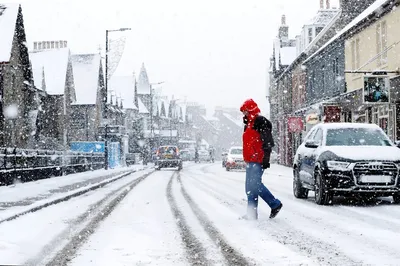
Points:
(231, 255)
(196, 253)
(66, 198)
(65, 255)
(286, 235)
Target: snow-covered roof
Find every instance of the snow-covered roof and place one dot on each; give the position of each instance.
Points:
(142, 107)
(55, 63)
(371, 9)
(211, 118)
(237, 122)
(86, 69)
(125, 87)
(143, 85)
(38, 77)
(288, 55)
(8, 21)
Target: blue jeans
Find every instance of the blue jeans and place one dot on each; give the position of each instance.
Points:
(255, 188)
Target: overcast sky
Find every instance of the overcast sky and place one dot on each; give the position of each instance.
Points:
(213, 51)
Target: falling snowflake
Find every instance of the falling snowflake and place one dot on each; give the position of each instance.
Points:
(11, 111)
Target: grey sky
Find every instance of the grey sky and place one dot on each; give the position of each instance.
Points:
(212, 51)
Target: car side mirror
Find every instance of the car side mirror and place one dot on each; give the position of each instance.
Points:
(397, 143)
(311, 144)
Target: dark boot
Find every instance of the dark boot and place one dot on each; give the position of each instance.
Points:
(274, 212)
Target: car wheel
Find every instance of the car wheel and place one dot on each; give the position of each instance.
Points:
(322, 196)
(228, 169)
(396, 198)
(298, 190)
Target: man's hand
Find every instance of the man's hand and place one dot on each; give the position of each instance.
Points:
(266, 164)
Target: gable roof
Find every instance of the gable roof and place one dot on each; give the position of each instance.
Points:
(38, 78)
(86, 69)
(8, 21)
(142, 107)
(288, 55)
(143, 85)
(55, 62)
(125, 87)
(368, 11)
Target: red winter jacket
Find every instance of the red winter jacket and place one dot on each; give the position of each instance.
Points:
(257, 136)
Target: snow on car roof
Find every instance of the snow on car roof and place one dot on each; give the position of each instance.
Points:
(348, 125)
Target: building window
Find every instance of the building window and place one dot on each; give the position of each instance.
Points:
(381, 42)
(310, 35)
(336, 67)
(355, 54)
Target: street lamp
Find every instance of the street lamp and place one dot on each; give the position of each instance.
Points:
(106, 99)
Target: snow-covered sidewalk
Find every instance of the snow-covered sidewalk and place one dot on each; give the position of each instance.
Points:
(22, 196)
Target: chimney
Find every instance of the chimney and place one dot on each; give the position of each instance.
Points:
(321, 4)
(328, 4)
(283, 20)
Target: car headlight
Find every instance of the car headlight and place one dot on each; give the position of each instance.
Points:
(337, 165)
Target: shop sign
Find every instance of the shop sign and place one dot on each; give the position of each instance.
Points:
(376, 89)
(295, 124)
(312, 119)
(332, 113)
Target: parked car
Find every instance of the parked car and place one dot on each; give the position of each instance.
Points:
(168, 156)
(346, 159)
(224, 158)
(185, 155)
(235, 159)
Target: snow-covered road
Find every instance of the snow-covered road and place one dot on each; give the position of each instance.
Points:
(191, 218)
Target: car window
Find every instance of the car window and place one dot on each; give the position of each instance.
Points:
(167, 150)
(356, 137)
(236, 151)
(318, 136)
(310, 135)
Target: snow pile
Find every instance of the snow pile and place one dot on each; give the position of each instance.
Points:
(86, 69)
(8, 20)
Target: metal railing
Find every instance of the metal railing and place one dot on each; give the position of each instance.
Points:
(27, 165)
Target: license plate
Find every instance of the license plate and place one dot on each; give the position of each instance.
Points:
(376, 179)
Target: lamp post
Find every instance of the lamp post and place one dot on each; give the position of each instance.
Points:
(106, 99)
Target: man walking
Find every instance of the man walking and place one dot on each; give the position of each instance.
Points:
(257, 148)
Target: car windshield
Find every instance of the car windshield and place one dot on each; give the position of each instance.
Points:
(356, 137)
(167, 150)
(236, 151)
